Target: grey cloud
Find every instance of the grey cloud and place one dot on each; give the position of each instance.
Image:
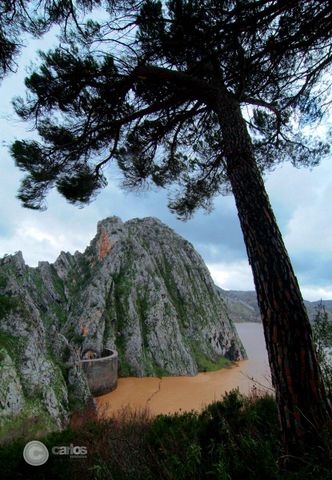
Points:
(299, 198)
(313, 267)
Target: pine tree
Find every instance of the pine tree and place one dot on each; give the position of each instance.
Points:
(19, 18)
(322, 334)
(206, 95)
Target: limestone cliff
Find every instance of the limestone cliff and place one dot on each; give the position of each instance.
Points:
(138, 287)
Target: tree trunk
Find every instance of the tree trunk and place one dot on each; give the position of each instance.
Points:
(300, 393)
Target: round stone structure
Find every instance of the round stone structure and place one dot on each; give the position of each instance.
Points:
(101, 372)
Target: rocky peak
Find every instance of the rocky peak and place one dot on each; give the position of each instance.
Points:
(149, 295)
(138, 288)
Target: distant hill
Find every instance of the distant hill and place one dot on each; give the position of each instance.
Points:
(243, 306)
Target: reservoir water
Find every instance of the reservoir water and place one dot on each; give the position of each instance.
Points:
(172, 394)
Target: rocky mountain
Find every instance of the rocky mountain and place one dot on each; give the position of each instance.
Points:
(243, 306)
(138, 288)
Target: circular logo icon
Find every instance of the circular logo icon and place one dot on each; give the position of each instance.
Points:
(35, 453)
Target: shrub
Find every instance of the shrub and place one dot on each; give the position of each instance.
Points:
(235, 438)
(322, 334)
(7, 303)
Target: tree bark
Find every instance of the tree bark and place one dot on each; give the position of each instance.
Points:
(303, 406)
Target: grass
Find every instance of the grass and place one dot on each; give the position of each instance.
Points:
(32, 422)
(236, 438)
(204, 364)
(7, 341)
(7, 304)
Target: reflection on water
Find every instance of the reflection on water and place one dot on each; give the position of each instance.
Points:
(171, 394)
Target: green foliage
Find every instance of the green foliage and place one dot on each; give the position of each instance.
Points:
(7, 341)
(124, 367)
(76, 339)
(14, 347)
(322, 328)
(79, 276)
(92, 104)
(31, 422)
(174, 441)
(142, 309)
(11, 458)
(80, 187)
(204, 363)
(322, 333)
(233, 439)
(3, 280)
(7, 304)
(244, 433)
(60, 312)
(160, 372)
(167, 272)
(122, 286)
(57, 282)
(36, 279)
(19, 17)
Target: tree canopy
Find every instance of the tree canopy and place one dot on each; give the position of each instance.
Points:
(138, 87)
(34, 17)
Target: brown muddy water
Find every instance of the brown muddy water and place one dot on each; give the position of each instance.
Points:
(172, 394)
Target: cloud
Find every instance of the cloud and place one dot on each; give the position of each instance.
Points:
(310, 228)
(232, 276)
(300, 198)
(43, 238)
(312, 292)
(217, 237)
(238, 276)
(313, 265)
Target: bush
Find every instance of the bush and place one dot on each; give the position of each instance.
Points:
(7, 304)
(235, 438)
(322, 334)
(241, 438)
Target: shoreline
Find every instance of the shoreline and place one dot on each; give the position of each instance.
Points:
(162, 395)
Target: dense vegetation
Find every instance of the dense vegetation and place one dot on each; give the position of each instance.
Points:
(322, 333)
(236, 438)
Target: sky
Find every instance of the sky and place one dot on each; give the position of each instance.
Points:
(300, 198)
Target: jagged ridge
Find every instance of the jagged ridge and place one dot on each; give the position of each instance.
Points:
(138, 287)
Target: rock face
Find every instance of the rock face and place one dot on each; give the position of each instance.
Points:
(31, 382)
(138, 288)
